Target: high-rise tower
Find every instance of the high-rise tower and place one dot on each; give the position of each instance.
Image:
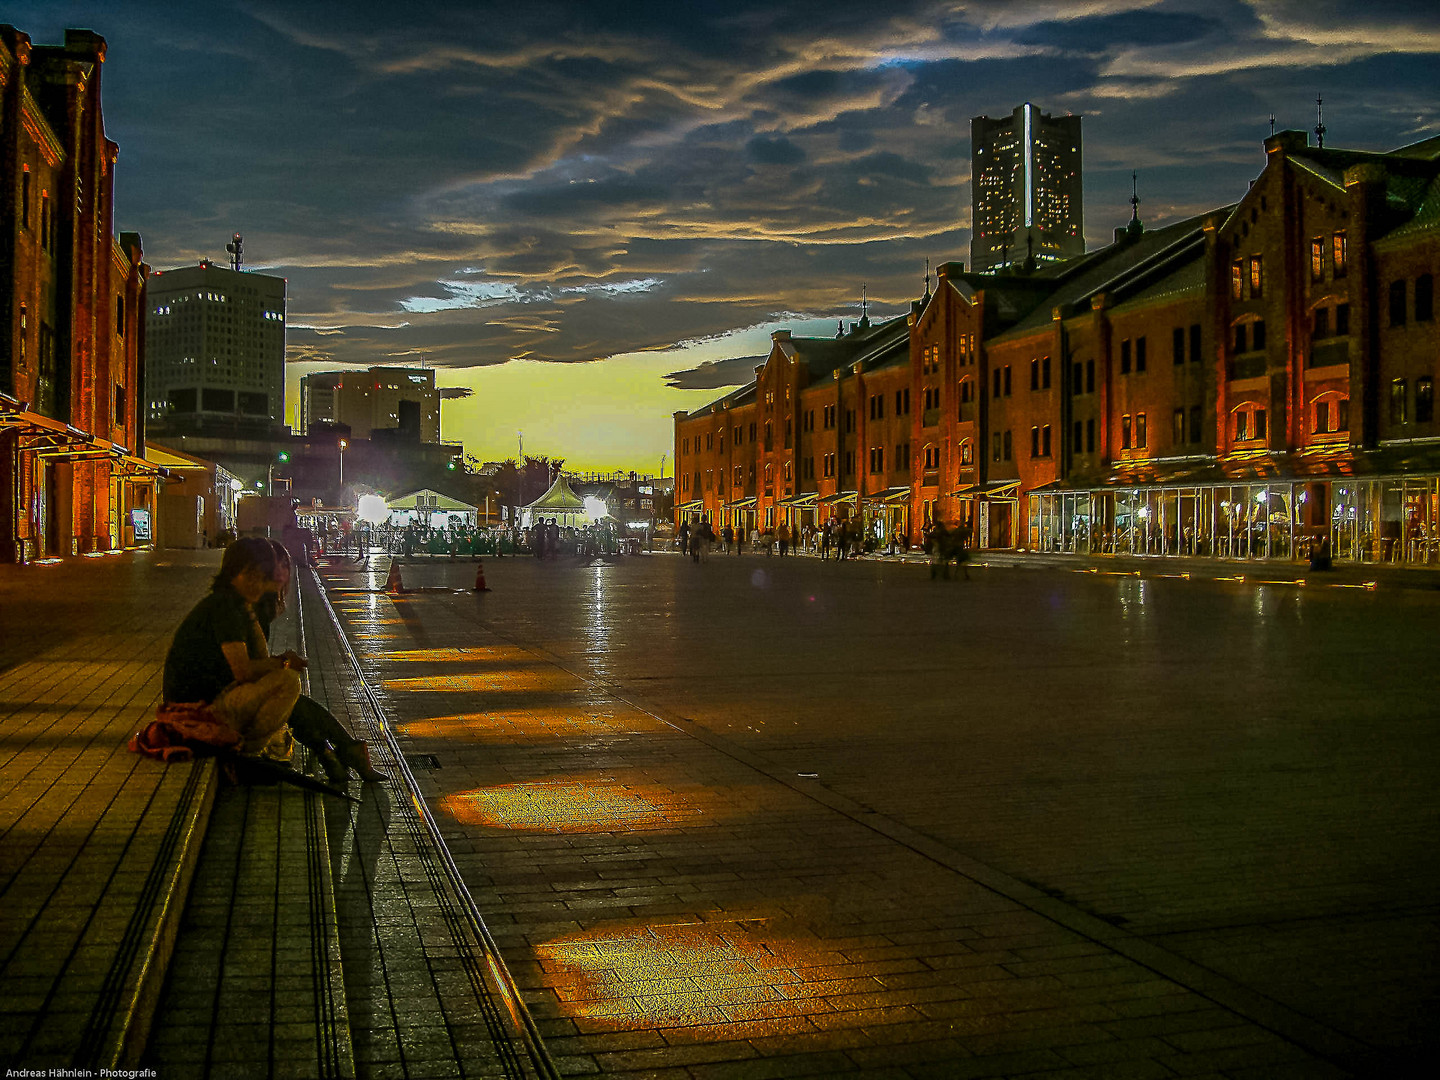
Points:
(1026, 189)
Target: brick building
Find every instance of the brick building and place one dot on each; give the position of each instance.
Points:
(1243, 384)
(72, 298)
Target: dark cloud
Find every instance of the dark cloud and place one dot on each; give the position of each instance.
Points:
(565, 181)
(716, 374)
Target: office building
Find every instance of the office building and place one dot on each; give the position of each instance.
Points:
(399, 400)
(1026, 189)
(215, 350)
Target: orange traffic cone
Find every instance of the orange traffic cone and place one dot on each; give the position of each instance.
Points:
(393, 585)
(480, 585)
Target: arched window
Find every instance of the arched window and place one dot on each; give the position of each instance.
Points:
(1248, 422)
(1330, 413)
(967, 452)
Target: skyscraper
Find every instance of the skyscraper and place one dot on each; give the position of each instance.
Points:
(215, 349)
(399, 399)
(1026, 189)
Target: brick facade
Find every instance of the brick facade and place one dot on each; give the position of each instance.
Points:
(1289, 336)
(73, 302)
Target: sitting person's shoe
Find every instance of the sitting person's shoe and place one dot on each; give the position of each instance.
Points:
(335, 769)
(357, 757)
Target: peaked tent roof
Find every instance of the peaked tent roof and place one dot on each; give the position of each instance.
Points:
(560, 497)
(442, 501)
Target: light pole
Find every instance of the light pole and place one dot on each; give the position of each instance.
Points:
(281, 458)
(343, 444)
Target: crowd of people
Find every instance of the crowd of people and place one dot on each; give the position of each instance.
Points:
(840, 538)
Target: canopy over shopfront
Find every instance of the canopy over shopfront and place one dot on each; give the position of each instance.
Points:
(117, 485)
(560, 504)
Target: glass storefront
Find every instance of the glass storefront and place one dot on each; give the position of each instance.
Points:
(1384, 519)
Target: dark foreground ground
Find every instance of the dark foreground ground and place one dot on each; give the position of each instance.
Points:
(777, 817)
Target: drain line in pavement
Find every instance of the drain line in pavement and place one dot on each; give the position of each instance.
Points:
(422, 825)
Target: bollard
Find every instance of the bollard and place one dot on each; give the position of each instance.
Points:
(480, 585)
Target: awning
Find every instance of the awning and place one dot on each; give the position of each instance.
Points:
(809, 498)
(889, 495)
(742, 504)
(693, 504)
(55, 440)
(999, 489)
(840, 497)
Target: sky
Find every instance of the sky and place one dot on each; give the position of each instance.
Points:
(593, 214)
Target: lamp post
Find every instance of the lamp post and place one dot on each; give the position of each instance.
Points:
(343, 444)
(280, 458)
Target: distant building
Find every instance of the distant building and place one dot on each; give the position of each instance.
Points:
(401, 400)
(215, 349)
(1025, 189)
(72, 478)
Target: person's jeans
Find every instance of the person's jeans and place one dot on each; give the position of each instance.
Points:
(313, 725)
(258, 711)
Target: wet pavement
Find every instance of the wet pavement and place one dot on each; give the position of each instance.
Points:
(765, 817)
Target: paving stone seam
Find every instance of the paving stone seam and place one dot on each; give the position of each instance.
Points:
(334, 1041)
(447, 882)
(1305, 1032)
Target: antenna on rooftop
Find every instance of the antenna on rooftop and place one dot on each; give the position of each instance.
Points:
(1320, 121)
(1272, 123)
(1134, 195)
(864, 301)
(236, 248)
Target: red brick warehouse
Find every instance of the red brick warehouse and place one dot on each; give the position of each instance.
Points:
(1245, 384)
(72, 296)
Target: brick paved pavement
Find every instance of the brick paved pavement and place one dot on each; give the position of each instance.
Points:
(1068, 857)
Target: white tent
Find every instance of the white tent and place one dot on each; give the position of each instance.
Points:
(559, 504)
(431, 508)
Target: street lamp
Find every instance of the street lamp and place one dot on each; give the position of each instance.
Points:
(280, 458)
(343, 444)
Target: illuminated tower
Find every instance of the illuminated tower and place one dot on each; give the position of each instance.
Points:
(1026, 189)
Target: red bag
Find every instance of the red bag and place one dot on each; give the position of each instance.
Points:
(182, 732)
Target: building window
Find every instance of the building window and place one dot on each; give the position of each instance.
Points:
(119, 417)
(1035, 374)
(1045, 441)
(769, 436)
(1077, 381)
(932, 456)
(1240, 338)
(1090, 436)
(1424, 399)
(1177, 428)
(1125, 357)
(1139, 354)
(1237, 280)
(1177, 345)
(1399, 392)
(1317, 258)
(995, 390)
(1257, 335)
(1322, 417)
(849, 423)
(1195, 423)
(1045, 373)
(1007, 380)
(1140, 430)
(739, 475)
(1342, 414)
(1338, 254)
(995, 447)
(1034, 442)
(788, 471)
(877, 459)
(752, 432)
(1194, 343)
(967, 391)
(849, 462)
(1257, 278)
(1242, 426)
(1424, 298)
(1397, 303)
(967, 452)
(1125, 432)
(902, 456)
(1007, 444)
(1320, 323)
(684, 446)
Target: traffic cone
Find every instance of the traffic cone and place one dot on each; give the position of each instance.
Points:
(393, 585)
(480, 585)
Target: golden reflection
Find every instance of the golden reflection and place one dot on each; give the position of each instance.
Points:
(581, 806)
(500, 654)
(540, 678)
(699, 973)
(515, 725)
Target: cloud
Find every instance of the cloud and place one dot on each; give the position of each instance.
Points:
(715, 374)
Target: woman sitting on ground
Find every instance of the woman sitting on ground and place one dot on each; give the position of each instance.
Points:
(313, 725)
